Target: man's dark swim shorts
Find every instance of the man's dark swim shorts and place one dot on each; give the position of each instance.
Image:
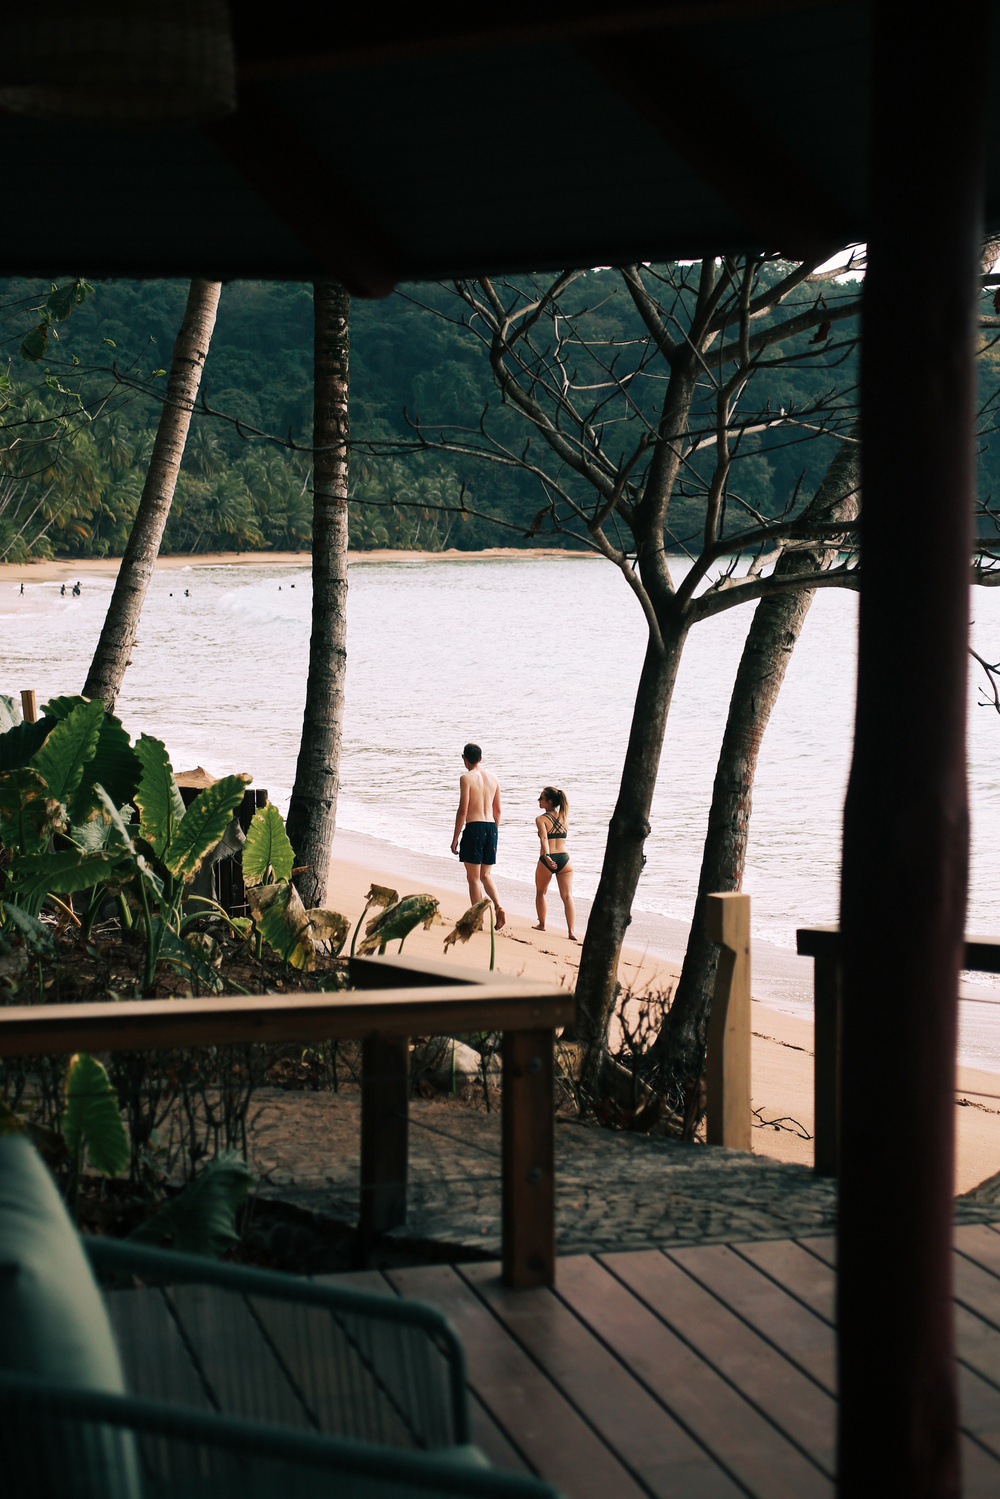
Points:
(479, 843)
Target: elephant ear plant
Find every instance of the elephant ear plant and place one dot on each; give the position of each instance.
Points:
(50, 806)
(67, 788)
(282, 920)
(167, 851)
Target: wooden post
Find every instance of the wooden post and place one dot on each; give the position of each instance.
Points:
(906, 818)
(727, 1063)
(528, 1128)
(384, 1135)
(827, 980)
(29, 708)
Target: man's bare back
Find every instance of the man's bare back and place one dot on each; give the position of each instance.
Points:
(476, 824)
(482, 787)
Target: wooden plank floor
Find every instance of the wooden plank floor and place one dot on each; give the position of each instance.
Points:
(700, 1373)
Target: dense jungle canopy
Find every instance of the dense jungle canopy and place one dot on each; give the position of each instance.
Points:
(75, 438)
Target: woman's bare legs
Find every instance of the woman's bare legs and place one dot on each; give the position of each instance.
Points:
(564, 879)
(542, 878)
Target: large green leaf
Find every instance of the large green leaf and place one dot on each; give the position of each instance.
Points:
(115, 765)
(398, 921)
(161, 808)
(29, 815)
(267, 847)
(283, 923)
(205, 821)
(63, 757)
(19, 744)
(37, 938)
(202, 1218)
(180, 954)
(92, 1118)
(60, 872)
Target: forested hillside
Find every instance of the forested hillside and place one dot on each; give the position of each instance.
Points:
(80, 475)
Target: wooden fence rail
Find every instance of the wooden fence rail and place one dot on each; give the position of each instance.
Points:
(396, 998)
(822, 944)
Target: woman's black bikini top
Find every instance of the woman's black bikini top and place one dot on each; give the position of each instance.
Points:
(558, 829)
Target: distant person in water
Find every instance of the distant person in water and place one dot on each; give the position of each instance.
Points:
(476, 825)
(551, 824)
(62, 591)
(77, 590)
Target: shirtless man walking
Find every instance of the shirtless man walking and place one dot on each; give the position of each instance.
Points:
(479, 815)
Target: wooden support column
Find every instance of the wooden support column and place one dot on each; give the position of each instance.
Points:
(385, 1088)
(728, 1116)
(29, 707)
(827, 985)
(906, 819)
(528, 1128)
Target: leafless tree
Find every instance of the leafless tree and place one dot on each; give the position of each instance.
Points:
(641, 443)
(777, 623)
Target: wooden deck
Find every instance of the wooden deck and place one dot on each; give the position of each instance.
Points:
(697, 1373)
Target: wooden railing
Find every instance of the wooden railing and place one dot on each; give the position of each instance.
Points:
(400, 998)
(822, 944)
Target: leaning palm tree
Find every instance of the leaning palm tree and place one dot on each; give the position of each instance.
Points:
(121, 624)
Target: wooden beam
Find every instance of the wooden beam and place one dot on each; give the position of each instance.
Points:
(728, 1116)
(528, 1137)
(906, 817)
(29, 706)
(980, 954)
(302, 188)
(778, 199)
(827, 1012)
(135, 1025)
(385, 1093)
(282, 43)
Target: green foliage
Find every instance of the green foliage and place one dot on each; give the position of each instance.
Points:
(267, 853)
(20, 743)
(398, 921)
(160, 804)
(92, 1121)
(28, 814)
(60, 871)
(158, 857)
(281, 918)
(63, 757)
(36, 937)
(282, 922)
(202, 1218)
(204, 823)
(114, 765)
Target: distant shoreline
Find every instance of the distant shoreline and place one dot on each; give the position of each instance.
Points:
(62, 569)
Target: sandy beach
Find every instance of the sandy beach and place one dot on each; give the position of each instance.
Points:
(69, 569)
(782, 1044)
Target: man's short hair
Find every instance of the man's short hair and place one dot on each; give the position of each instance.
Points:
(472, 753)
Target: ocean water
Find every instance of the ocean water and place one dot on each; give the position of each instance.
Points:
(537, 659)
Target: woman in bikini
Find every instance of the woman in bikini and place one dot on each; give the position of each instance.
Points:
(554, 860)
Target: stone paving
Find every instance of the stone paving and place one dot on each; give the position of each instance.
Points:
(613, 1190)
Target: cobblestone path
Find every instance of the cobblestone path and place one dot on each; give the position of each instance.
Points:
(613, 1190)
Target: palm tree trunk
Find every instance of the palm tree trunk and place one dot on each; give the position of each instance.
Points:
(312, 812)
(121, 624)
(777, 623)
